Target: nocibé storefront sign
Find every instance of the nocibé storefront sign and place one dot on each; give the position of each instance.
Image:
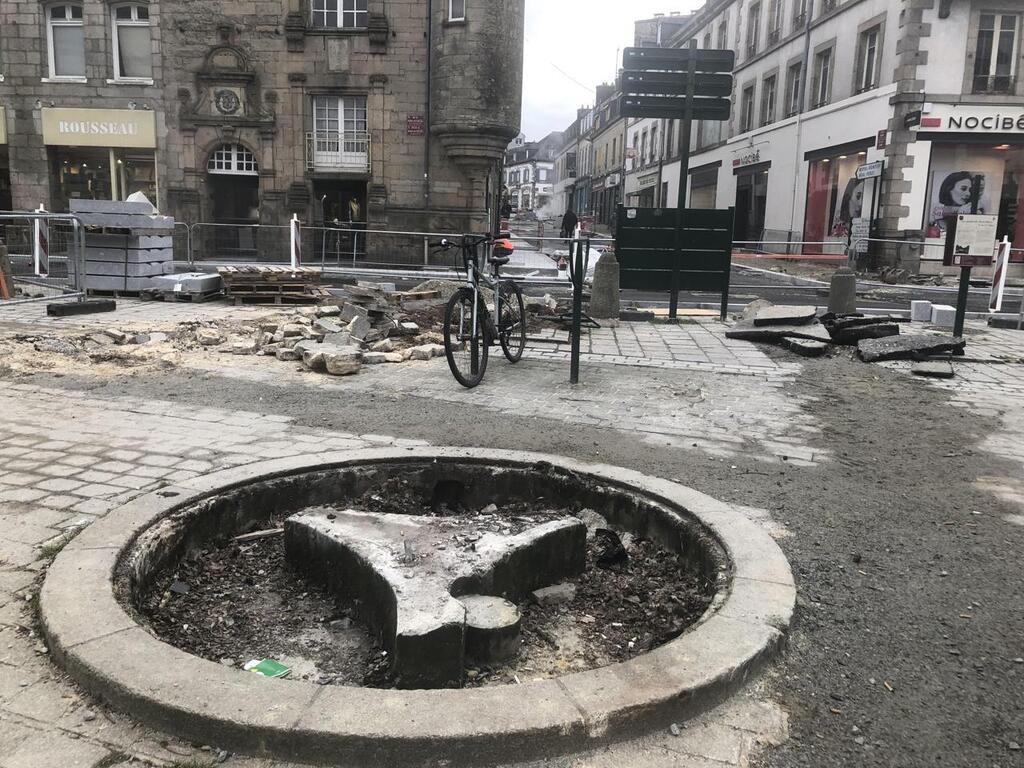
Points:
(99, 128)
(972, 118)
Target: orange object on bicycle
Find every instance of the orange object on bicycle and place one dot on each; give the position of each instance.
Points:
(502, 247)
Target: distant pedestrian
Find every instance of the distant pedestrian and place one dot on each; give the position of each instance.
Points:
(569, 224)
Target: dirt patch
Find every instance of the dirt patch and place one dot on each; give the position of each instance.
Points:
(237, 602)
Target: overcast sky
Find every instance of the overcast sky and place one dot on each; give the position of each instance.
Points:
(570, 49)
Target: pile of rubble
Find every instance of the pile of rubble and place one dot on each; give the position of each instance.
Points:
(367, 324)
(877, 338)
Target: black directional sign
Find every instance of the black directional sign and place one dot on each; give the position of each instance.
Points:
(675, 107)
(678, 59)
(656, 83)
(684, 84)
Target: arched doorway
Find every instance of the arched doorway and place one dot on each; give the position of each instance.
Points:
(233, 184)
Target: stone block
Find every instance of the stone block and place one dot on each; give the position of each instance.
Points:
(351, 311)
(943, 315)
(908, 346)
(288, 354)
(921, 311)
(375, 358)
(342, 361)
(359, 328)
(936, 369)
(426, 351)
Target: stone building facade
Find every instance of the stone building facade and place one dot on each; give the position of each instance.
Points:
(395, 114)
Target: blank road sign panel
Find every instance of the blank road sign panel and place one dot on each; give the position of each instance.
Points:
(674, 107)
(674, 84)
(678, 59)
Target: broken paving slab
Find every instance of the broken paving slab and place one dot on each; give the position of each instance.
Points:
(772, 333)
(783, 315)
(935, 369)
(805, 347)
(853, 321)
(908, 346)
(851, 335)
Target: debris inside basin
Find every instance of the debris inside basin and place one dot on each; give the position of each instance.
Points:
(238, 600)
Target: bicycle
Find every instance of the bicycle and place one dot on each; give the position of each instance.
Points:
(469, 330)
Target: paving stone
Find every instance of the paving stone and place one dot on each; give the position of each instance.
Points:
(937, 369)
(806, 347)
(784, 315)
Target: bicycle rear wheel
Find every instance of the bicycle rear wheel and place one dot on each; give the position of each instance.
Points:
(466, 351)
(512, 333)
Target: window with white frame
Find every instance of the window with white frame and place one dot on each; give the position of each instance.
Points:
(867, 59)
(774, 20)
(456, 10)
(996, 53)
(233, 159)
(768, 89)
(723, 34)
(799, 14)
(65, 38)
(339, 124)
(747, 110)
(753, 28)
(822, 78)
(339, 14)
(794, 88)
(133, 58)
(655, 150)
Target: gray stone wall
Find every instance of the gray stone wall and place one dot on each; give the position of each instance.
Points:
(270, 56)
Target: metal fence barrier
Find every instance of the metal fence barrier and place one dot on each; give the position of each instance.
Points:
(63, 248)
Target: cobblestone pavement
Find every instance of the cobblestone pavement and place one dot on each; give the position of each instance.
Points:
(67, 459)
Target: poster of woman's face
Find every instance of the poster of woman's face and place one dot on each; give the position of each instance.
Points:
(850, 207)
(957, 192)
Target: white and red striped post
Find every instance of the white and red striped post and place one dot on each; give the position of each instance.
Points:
(41, 245)
(1002, 265)
(296, 230)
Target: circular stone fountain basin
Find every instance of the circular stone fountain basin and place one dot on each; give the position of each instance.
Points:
(87, 607)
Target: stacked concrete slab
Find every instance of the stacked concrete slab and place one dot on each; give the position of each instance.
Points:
(126, 244)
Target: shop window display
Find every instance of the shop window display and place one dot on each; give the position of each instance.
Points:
(975, 179)
(835, 197)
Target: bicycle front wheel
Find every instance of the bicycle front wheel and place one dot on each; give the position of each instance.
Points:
(512, 333)
(464, 346)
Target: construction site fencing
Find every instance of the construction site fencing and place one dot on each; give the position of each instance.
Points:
(45, 263)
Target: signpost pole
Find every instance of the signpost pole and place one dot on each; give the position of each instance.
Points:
(577, 310)
(961, 301)
(684, 175)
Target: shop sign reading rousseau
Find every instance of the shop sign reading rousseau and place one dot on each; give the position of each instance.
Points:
(99, 128)
(973, 119)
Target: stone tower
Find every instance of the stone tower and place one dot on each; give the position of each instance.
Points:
(477, 73)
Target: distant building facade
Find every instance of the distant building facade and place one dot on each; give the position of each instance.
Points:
(529, 172)
(928, 95)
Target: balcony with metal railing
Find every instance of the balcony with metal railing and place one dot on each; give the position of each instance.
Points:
(338, 152)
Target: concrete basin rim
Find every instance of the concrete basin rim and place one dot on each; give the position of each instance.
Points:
(617, 683)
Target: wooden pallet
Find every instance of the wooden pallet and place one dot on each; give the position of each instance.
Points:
(268, 274)
(274, 298)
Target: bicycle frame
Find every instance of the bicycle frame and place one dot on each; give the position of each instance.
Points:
(470, 254)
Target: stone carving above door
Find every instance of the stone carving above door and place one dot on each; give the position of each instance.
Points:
(227, 92)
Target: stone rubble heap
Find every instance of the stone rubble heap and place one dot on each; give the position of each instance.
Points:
(804, 331)
(369, 325)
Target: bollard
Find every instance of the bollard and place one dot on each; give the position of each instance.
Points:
(842, 295)
(604, 295)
